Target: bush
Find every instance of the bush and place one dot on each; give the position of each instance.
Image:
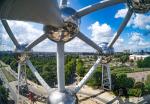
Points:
(144, 63)
(147, 83)
(123, 82)
(80, 69)
(95, 80)
(3, 95)
(139, 85)
(135, 92)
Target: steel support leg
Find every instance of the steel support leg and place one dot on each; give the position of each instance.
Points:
(60, 67)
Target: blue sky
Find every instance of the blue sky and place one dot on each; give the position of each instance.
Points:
(99, 26)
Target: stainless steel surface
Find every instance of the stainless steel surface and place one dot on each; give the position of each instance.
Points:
(100, 5)
(60, 67)
(66, 97)
(139, 6)
(41, 11)
(68, 30)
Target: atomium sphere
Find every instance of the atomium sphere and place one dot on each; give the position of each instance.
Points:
(106, 50)
(139, 6)
(64, 34)
(68, 31)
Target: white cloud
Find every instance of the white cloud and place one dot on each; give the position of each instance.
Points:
(100, 32)
(140, 21)
(25, 32)
(136, 37)
(136, 41)
(77, 45)
(121, 13)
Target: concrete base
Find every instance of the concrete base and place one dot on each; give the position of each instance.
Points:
(66, 97)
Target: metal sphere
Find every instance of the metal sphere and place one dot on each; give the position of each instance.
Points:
(106, 50)
(20, 49)
(63, 34)
(139, 6)
(69, 29)
(66, 13)
(66, 97)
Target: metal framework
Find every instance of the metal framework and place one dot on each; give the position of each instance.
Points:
(61, 24)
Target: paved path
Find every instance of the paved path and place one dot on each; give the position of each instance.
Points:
(12, 92)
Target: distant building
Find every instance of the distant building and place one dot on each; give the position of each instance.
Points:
(138, 57)
(126, 51)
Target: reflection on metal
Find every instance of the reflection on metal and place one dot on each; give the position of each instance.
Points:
(139, 6)
(64, 34)
(66, 97)
(105, 49)
(106, 77)
(60, 67)
(69, 29)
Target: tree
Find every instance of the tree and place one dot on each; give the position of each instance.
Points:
(147, 83)
(80, 69)
(3, 95)
(123, 82)
(144, 63)
(124, 58)
(95, 80)
(70, 67)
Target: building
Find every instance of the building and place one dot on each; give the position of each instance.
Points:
(138, 57)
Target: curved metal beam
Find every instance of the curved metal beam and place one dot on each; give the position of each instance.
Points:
(100, 5)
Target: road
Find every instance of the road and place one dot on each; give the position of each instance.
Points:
(95, 97)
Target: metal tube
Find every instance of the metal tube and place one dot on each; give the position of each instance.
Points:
(87, 76)
(121, 28)
(18, 95)
(37, 41)
(100, 5)
(89, 42)
(11, 35)
(60, 67)
(37, 75)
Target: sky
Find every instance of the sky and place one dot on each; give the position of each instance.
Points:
(99, 26)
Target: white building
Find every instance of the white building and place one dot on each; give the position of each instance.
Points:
(138, 57)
